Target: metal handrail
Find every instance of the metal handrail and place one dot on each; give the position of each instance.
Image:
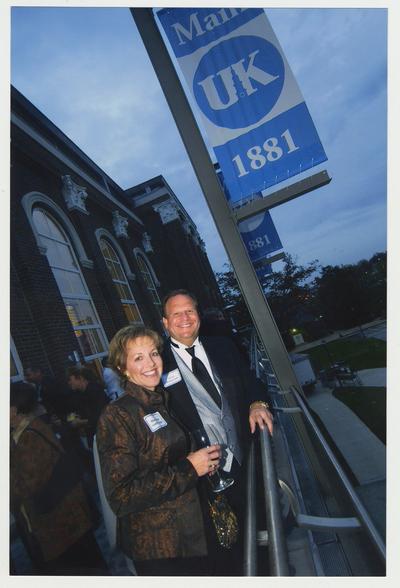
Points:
(361, 511)
(276, 538)
(250, 527)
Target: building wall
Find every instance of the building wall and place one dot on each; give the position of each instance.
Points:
(40, 326)
(175, 237)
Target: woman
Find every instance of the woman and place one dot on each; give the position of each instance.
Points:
(148, 471)
(47, 498)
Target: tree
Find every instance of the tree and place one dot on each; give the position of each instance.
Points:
(233, 300)
(315, 299)
(290, 295)
(352, 294)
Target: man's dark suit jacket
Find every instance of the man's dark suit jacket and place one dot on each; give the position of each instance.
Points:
(240, 386)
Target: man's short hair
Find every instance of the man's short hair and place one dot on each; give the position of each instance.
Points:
(84, 372)
(179, 292)
(33, 368)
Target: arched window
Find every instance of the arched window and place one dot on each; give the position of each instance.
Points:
(74, 291)
(149, 281)
(120, 282)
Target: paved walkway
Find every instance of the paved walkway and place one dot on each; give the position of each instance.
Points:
(363, 451)
(375, 329)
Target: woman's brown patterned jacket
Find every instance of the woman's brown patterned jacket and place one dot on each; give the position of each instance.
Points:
(148, 481)
(32, 460)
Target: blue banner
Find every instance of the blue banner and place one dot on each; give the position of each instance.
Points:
(252, 109)
(260, 236)
(263, 272)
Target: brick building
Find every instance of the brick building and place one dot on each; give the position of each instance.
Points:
(88, 257)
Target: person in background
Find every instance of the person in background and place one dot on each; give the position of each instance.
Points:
(50, 393)
(86, 402)
(214, 323)
(210, 386)
(111, 380)
(149, 472)
(47, 498)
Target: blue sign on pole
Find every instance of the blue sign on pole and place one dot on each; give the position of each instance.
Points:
(253, 111)
(260, 236)
(262, 273)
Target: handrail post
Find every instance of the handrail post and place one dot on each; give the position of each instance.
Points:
(276, 538)
(250, 529)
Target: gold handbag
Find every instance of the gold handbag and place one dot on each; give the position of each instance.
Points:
(224, 520)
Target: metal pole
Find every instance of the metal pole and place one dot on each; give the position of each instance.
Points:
(250, 528)
(276, 536)
(213, 193)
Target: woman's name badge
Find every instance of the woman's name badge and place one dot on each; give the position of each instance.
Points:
(155, 421)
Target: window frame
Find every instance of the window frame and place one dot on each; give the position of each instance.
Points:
(141, 258)
(44, 241)
(119, 262)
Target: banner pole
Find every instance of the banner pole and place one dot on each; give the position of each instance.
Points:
(225, 222)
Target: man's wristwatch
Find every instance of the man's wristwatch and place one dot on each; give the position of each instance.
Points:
(259, 403)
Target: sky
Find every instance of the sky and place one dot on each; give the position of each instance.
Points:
(87, 70)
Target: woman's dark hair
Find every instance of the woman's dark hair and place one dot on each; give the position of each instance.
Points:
(24, 397)
(117, 353)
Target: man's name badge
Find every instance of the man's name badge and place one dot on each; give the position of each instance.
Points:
(155, 421)
(171, 378)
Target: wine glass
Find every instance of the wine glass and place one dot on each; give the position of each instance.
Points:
(218, 483)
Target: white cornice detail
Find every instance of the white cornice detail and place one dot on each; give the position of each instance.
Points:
(146, 242)
(167, 210)
(143, 199)
(74, 195)
(120, 224)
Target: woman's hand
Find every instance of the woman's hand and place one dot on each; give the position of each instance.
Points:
(205, 460)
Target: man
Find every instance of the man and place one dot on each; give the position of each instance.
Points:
(227, 398)
(86, 401)
(49, 393)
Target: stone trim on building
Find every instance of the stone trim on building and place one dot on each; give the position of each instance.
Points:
(120, 225)
(74, 195)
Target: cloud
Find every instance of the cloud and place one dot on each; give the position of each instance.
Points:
(344, 237)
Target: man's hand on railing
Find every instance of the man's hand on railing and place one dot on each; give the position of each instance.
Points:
(261, 416)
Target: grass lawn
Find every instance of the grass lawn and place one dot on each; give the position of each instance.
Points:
(369, 404)
(359, 354)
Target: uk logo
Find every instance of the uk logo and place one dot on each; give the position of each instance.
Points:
(248, 78)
